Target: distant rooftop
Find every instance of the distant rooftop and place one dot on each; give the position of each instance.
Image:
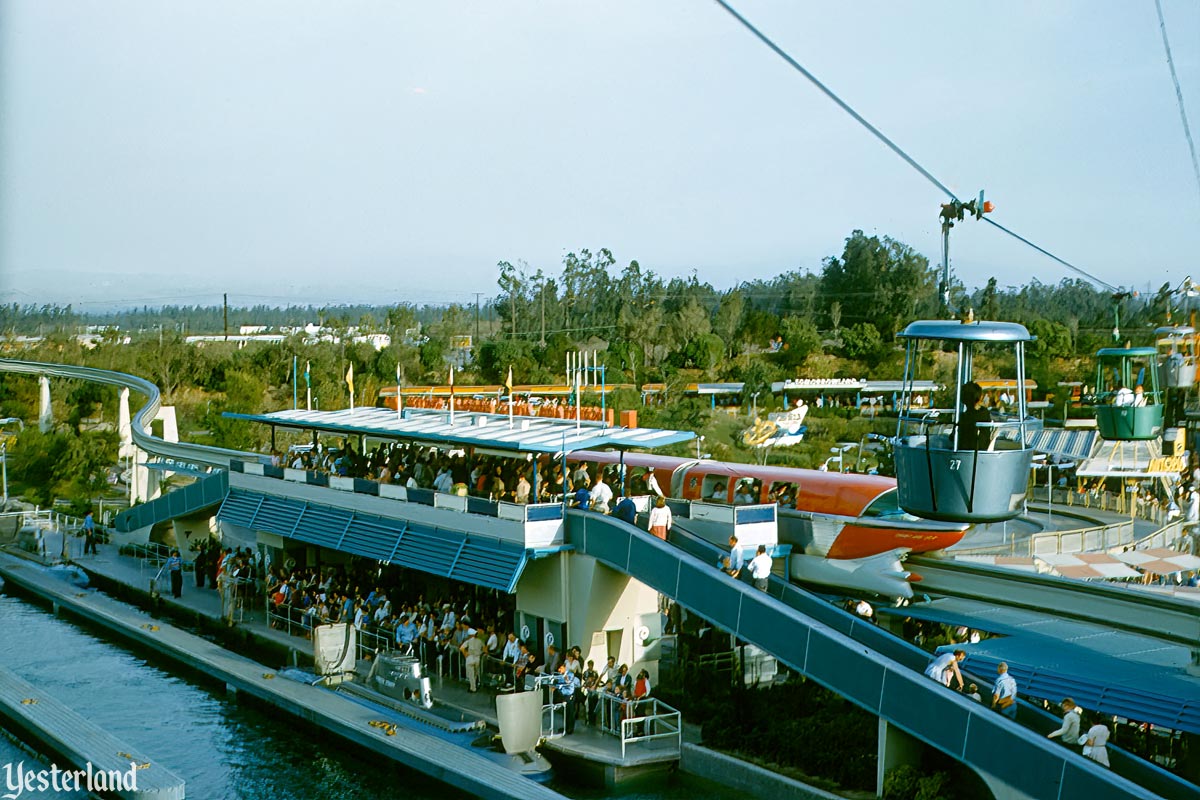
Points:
(472, 429)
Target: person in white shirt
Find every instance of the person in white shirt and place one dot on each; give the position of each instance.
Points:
(1122, 397)
(652, 483)
(1095, 745)
(602, 494)
(444, 483)
(610, 671)
(1139, 396)
(760, 568)
(660, 519)
(512, 649)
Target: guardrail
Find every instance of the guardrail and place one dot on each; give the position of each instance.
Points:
(634, 721)
(206, 491)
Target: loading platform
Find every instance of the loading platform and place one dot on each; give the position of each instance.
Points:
(428, 754)
(85, 746)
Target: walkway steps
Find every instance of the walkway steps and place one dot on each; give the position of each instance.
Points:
(425, 753)
(83, 743)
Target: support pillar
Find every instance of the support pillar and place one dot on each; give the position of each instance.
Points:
(124, 427)
(46, 415)
(896, 748)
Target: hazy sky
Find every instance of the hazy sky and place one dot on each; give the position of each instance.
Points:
(290, 151)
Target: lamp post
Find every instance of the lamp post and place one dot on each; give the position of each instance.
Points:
(699, 441)
(754, 405)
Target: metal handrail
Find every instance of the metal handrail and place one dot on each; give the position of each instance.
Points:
(669, 719)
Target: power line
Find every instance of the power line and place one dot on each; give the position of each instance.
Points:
(895, 148)
(1187, 131)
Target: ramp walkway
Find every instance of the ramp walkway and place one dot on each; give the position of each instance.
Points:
(1025, 761)
(1140, 771)
(206, 492)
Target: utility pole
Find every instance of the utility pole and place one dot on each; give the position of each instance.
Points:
(543, 293)
(225, 302)
(477, 295)
(952, 211)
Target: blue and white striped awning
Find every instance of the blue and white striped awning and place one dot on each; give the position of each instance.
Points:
(1075, 445)
(462, 557)
(472, 429)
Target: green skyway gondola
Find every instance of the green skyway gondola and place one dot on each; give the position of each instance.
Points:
(1128, 399)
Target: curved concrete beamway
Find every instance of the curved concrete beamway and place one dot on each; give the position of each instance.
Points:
(181, 451)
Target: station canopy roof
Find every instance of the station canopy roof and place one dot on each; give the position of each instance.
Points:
(472, 429)
(1135, 459)
(850, 385)
(959, 331)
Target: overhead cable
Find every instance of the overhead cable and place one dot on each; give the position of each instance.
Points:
(1187, 131)
(895, 148)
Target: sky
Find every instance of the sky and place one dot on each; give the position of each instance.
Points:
(292, 151)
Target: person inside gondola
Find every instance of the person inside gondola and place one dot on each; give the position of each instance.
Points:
(970, 435)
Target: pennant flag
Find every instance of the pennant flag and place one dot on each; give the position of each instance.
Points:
(307, 379)
(451, 379)
(508, 383)
(350, 377)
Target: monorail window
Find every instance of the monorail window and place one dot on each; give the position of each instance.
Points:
(716, 489)
(886, 505)
(748, 492)
(784, 494)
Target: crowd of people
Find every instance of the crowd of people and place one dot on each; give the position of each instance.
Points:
(514, 480)
(944, 668)
(458, 632)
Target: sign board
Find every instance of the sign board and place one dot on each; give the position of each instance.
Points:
(1167, 464)
(460, 342)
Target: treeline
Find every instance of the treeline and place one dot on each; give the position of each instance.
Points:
(840, 322)
(35, 320)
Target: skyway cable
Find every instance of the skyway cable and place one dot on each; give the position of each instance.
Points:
(895, 148)
(1187, 131)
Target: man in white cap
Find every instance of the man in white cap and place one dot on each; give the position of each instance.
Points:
(472, 648)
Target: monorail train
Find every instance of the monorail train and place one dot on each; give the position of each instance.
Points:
(846, 530)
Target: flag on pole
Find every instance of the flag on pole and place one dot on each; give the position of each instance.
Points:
(451, 394)
(350, 377)
(399, 400)
(508, 384)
